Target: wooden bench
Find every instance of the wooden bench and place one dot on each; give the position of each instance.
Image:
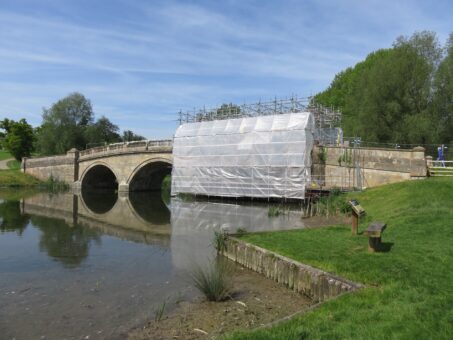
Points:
(374, 233)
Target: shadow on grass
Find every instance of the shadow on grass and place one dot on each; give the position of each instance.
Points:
(385, 247)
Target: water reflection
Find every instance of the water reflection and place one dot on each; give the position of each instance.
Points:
(99, 201)
(73, 272)
(193, 225)
(11, 218)
(68, 245)
(150, 207)
(82, 264)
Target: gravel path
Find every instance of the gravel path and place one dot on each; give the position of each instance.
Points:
(3, 164)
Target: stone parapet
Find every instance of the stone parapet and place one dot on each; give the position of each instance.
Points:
(154, 146)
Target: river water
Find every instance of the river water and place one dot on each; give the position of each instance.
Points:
(94, 265)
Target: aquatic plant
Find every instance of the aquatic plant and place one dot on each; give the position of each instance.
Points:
(54, 185)
(219, 241)
(274, 211)
(241, 232)
(214, 281)
(334, 204)
(159, 312)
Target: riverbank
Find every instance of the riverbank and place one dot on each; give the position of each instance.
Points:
(255, 302)
(409, 292)
(10, 174)
(15, 178)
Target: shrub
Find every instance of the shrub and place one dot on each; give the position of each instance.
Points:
(241, 232)
(219, 240)
(274, 211)
(55, 185)
(214, 281)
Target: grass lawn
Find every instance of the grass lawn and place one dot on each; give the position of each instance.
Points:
(13, 164)
(5, 155)
(15, 178)
(409, 290)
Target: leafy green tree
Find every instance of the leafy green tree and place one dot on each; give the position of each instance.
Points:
(129, 136)
(5, 125)
(443, 96)
(390, 96)
(227, 110)
(102, 131)
(64, 125)
(19, 138)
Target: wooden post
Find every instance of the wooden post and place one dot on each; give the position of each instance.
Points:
(374, 244)
(355, 223)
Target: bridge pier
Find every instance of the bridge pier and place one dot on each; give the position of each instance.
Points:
(123, 187)
(77, 186)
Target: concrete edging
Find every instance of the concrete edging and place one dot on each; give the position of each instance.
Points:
(312, 282)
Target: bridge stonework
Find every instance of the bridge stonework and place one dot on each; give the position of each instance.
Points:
(138, 166)
(124, 160)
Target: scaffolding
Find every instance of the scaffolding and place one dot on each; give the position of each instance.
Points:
(324, 117)
(263, 157)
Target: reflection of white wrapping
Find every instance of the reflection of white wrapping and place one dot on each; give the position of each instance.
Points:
(267, 156)
(194, 223)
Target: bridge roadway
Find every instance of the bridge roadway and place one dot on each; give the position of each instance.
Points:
(131, 166)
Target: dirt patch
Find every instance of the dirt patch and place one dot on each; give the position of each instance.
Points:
(256, 301)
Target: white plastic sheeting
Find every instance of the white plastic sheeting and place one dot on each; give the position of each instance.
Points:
(266, 156)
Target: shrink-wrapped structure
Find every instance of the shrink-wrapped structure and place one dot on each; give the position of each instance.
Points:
(264, 156)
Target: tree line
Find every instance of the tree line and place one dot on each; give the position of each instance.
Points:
(68, 123)
(402, 94)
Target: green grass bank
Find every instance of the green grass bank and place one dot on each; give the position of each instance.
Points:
(13, 177)
(409, 290)
(5, 155)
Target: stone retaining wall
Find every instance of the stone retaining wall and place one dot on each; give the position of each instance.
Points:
(347, 167)
(314, 283)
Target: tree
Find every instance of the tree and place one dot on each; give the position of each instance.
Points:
(103, 131)
(129, 136)
(390, 96)
(19, 138)
(64, 125)
(227, 111)
(443, 94)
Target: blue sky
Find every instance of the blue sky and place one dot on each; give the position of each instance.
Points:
(140, 62)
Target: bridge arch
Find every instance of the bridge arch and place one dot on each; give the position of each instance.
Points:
(99, 175)
(148, 175)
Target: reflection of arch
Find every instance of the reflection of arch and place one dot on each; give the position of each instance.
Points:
(99, 201)
(150, 207)
(149, 175)
(99, 175)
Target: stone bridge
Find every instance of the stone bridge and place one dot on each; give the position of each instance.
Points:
(142, 165)
(131, 166)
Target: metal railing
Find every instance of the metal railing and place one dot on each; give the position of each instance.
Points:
(440, 168)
